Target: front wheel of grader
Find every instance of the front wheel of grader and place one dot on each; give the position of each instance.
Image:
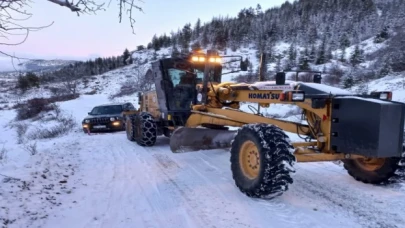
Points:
(373, 170)
(142, 129)
(262, 160)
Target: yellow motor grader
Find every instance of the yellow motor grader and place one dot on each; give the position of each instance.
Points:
(197, 111)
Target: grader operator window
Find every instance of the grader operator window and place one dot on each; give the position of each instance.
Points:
(180, 80)
(183, 92)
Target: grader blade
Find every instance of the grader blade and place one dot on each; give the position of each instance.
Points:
(194, 139)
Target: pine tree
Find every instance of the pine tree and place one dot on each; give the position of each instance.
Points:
(382, 36)
(154, 56)
(342, 57)
(155, 43)
(312, 54)
(329, 54)
(357, 56)
(186, 36)
(175, 52)
(126, 55)
(304, 60)
(292, 53)
(386, 68)
(321, 59)
(348, 82)
(197, 29)
(205, 40)
(196, 46)
(278, 63)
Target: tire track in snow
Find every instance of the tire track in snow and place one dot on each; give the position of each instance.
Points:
(104, 167)
(112, 186)
(162, 199)
(200, 196)
(155, 188)
(210, 175)
(187, 196)
(113, 189)
(134, 197)
(309, 185)
(280, 210)
(369, 211)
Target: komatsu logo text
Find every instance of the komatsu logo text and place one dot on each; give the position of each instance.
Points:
(263, 96)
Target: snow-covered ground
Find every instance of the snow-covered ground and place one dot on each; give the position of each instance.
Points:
(104, 180)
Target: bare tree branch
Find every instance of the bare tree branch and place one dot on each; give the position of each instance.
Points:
(90, 6)
(66, 4)
(13, 13)
(132, 6)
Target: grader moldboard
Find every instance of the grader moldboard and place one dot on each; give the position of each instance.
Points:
(195, 109)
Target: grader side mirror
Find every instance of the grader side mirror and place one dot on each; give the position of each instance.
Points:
(243, 65)
(317, 78)
(139, 98)
(280, 78)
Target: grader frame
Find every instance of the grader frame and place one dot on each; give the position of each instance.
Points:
(262, 156)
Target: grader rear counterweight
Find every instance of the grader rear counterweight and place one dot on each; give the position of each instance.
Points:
(196, 110)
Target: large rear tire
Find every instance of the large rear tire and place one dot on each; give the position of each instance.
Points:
(130, 127)
(145, 129)
(372, 170)
(262, 160)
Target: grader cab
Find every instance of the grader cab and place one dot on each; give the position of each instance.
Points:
(363, 131)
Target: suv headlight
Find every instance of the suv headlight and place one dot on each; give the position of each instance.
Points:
(87, 121)
(112, 118)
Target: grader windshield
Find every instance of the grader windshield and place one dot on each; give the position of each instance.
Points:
(182, 77)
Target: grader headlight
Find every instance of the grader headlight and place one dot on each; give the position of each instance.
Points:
(203, 59)
(198, 59)
(215, 59)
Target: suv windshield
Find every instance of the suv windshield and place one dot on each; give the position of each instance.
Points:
(103, 110)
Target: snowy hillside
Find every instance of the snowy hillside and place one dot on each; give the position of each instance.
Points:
(40, 65)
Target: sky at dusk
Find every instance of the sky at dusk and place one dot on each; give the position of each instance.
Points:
(89, 36)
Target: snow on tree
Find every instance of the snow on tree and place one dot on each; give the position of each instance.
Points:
(175, 52)
(126, 57)
(197, 29)
(382, 36)
(386, 67)
(312, 54)
(347, 82)
(357, 56)
(321, 56)
(303, 61)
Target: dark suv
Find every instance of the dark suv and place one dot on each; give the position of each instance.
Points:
(107, 117)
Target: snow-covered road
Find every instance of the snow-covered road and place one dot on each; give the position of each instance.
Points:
(104, 180)
(120, 184)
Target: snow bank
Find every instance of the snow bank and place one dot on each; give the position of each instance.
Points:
(393, 83)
